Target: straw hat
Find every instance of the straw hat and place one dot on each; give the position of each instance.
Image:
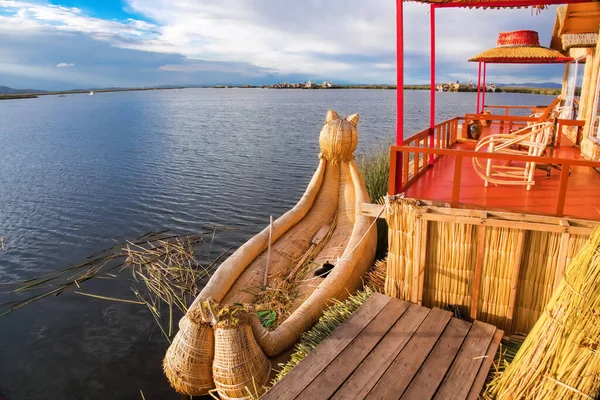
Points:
(520, 47)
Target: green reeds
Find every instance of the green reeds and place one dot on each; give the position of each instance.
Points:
(375, 169)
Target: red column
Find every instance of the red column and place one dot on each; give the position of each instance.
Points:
(478, 87)
(399, 92)
(432, 88)
(484, 87)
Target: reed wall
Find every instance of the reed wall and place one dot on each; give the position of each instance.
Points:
(499, 268)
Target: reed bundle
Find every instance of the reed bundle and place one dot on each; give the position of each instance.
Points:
(402, 218)
(529, 52)
(574, 40)
(560, 358)
(332, 317)
(376, 277)
(536, 279)
(450, 262)
(501, 260)
(338, 139)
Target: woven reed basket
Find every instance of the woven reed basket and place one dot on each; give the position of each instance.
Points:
(239, 364)
(188, 362)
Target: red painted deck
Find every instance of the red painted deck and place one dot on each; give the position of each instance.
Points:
(583, 190)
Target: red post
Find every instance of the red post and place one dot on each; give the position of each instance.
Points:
(484, 87)
(432, 88)
(399, 91)
(478, 87)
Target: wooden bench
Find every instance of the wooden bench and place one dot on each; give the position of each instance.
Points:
(394, 349)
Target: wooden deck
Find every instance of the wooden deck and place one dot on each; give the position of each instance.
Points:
(582, 197)
(391, 349)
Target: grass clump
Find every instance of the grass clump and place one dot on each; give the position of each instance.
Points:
(375, 169)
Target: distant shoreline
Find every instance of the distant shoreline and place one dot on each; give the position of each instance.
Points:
(505, 89)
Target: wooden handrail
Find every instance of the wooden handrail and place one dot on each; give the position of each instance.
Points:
(517, 107)
(459, 155)
(499, 156)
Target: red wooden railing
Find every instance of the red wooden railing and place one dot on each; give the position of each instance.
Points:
(415, 164)
(459, 155)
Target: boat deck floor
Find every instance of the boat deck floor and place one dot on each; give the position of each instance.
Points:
(392, 349)
(583, 189)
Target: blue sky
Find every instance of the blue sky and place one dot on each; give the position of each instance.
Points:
(64, 44)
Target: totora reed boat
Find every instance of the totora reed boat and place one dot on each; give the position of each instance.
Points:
(276, 285)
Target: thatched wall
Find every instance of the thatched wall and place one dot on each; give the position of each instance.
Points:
(500, 268)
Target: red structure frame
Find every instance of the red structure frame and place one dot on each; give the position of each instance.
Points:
(400, 59)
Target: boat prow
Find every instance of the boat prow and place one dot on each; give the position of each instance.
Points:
(325, 233)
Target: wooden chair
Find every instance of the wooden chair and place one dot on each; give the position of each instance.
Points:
(531, 140)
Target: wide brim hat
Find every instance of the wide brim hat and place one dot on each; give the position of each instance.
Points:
(521, 47)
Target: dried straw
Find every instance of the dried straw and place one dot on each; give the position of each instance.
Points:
(574, 40)
(401, 217)
(377, 275)
(501, 258)
(450, 262)
(559, 358)
(536, 279)
(521, 52)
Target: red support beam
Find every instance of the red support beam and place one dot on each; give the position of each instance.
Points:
(432, 88)
(484, 87)
(478, 88)
(399, 92)
(509, 3)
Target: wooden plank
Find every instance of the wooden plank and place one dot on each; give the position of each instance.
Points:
(374, 366)
(393, 171)
(309, 368)
(405, 160)
(514, 281)
(500, 223)
(456, 184)
(342, 367)
(414, 285)
(406, 365)
(439, 361)
(485, 366)
(563, 252)
(467, 362)
(478, 271)
(422, 260)
(562, 191)
(372, 210)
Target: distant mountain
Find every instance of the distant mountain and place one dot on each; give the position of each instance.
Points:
(543, 85)
(7, 90)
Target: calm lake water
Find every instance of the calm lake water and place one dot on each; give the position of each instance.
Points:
(81, 172)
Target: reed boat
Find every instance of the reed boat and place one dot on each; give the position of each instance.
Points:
(319, 250)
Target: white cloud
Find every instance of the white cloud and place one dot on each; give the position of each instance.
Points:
(65, 65)
(354, 42)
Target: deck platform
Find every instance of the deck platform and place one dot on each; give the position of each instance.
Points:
(392, 349)
(582, 198)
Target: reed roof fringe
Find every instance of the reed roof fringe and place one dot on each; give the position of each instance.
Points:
(521, 46)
